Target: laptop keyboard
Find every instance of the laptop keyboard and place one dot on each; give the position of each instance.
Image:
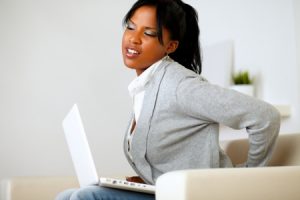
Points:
(123, 184)
(116, 181)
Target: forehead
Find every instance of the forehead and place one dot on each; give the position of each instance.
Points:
(145, 15)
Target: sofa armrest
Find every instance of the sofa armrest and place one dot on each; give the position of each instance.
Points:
(269, 183)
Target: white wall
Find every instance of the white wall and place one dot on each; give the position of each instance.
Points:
(52, 54)
(263, 33)
(55, 53)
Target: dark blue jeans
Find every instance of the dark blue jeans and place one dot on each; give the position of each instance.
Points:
(102, 193)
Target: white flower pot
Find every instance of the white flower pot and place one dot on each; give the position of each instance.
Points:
(245, 89)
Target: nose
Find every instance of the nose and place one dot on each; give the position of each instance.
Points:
(135, 38)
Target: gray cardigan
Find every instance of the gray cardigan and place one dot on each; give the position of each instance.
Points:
(179, 124)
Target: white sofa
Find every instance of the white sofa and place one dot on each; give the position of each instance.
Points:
(280, 181)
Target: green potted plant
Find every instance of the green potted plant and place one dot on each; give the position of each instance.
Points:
(242, 82)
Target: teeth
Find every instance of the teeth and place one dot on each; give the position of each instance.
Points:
(132, 51)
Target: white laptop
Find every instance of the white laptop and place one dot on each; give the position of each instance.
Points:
(83, 160)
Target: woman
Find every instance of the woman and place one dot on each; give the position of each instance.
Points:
(176, 111)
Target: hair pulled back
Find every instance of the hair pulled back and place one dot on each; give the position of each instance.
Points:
(182, 22)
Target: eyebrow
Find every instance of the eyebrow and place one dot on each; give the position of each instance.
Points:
(146, 27)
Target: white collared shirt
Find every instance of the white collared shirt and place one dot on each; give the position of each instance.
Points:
(137, 88)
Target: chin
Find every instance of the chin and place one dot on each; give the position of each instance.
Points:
(130, 67)
(130, 64)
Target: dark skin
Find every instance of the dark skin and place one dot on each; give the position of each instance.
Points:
(140, 45)
(135, 179)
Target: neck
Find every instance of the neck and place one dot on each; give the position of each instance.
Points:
(139, 72)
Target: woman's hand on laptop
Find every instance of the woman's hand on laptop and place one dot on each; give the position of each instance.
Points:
(135, 179)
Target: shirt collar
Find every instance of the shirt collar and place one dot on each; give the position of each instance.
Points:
(138, 84)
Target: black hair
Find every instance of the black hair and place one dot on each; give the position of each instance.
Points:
(181, 20)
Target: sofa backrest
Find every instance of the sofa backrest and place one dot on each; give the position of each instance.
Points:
(286, 152)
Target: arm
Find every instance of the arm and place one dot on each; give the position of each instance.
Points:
(214, 104)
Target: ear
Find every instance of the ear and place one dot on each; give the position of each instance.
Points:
(172, 46)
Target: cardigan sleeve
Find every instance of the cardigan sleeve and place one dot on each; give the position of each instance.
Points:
(200, 99)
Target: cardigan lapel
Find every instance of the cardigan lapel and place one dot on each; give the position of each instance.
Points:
(140, 137)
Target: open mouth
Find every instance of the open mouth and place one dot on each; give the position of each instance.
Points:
(132, 52)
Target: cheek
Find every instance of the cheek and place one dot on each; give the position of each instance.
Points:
(123, 40)
(157, 50)
(124, 43)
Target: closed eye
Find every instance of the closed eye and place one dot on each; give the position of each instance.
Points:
(151, 33)
(130, 26)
